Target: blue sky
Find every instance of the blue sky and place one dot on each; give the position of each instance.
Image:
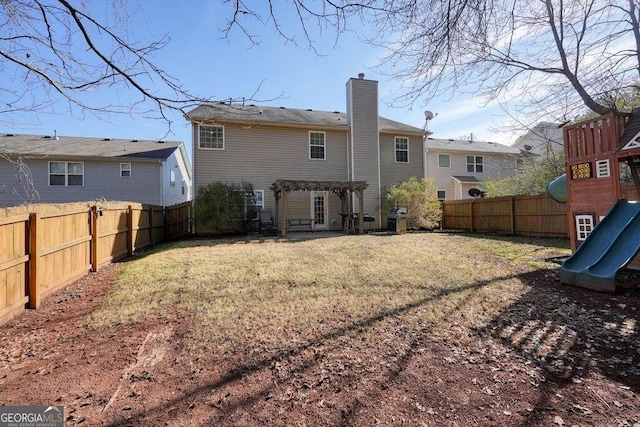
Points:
(288, 74)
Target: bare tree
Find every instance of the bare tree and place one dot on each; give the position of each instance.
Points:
(52, 50)
(553, 55)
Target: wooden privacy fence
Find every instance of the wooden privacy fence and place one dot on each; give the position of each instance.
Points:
(53, 245)
(536, 216)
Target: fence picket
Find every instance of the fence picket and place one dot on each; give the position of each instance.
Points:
(49, 250)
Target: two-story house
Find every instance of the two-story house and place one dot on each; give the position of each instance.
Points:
(262, 145)
(60, 169)
(544, 139)
(458, 167)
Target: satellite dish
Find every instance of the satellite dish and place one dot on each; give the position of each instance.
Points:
(428, 115)
(527, 147)
(474, 192)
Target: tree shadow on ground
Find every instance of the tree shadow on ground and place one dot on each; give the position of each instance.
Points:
(567, 332)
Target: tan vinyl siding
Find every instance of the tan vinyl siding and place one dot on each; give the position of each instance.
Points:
(394, 173)
(261, 154)
(494, 166)
(362, 102)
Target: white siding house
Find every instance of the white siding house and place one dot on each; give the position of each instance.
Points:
(59, 169)
(458, 167)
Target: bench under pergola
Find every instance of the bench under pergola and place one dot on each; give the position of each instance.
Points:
(342, 189)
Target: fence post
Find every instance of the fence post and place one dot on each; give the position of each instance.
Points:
(94, 238)
(32, 280)
(151, 226)
(512, 213)
(471, 215)
(130, 230)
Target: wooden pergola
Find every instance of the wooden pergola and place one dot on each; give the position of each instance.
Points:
(342, 189)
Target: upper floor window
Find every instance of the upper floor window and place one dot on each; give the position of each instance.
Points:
(66, 173)
(125, 170)
(444, 161)
(172, 178)
(475, 164)
(442, 195)
(317, 145)
(211, 137)
(402, 150)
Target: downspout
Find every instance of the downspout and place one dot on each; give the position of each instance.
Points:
(424, 159)
(162, 163)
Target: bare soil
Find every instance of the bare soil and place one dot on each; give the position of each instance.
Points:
(142, 375)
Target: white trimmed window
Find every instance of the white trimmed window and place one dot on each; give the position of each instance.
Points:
(66, 173)
(258, 198)
(444, 160)
(584, 226)
(442, 195)
(475, 164)
(317, 145)
(602, 169)
(125, 170)
(172, 178)
(211, 137)
(402, 149)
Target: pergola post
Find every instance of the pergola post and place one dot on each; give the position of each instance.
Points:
(343, 189)
(284, 212)
(360, 194)
(276, 222)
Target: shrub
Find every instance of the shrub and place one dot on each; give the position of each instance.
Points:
(419, 196)
(224, 207)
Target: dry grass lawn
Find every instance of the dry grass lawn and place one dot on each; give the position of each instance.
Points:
(262, 296)
(424, 329)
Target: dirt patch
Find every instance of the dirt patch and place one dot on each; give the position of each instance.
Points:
(558, 356)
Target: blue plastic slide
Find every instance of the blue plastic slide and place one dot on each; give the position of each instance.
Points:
(610, 246)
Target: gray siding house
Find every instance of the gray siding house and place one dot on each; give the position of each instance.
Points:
(69, 169)
(260, 145)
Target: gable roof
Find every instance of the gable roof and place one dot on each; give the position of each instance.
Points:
(630, 138)
(450, 145)
(540, 138)
(222, 113)
(78, 147)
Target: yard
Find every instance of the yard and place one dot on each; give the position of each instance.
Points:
(424, 329)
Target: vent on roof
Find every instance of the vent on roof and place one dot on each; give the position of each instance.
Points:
(309, 109)
(337, 112)
(282, 108)
(135, 140)
(160, 142)
(9, 134)
(107, 139)
(47, 137)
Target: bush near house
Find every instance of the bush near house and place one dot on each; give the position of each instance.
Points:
(224, 208)
(419, 196)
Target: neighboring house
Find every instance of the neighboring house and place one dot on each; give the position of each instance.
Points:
(260, 145)
(459, 167)
(543, 139)
(69, 169)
